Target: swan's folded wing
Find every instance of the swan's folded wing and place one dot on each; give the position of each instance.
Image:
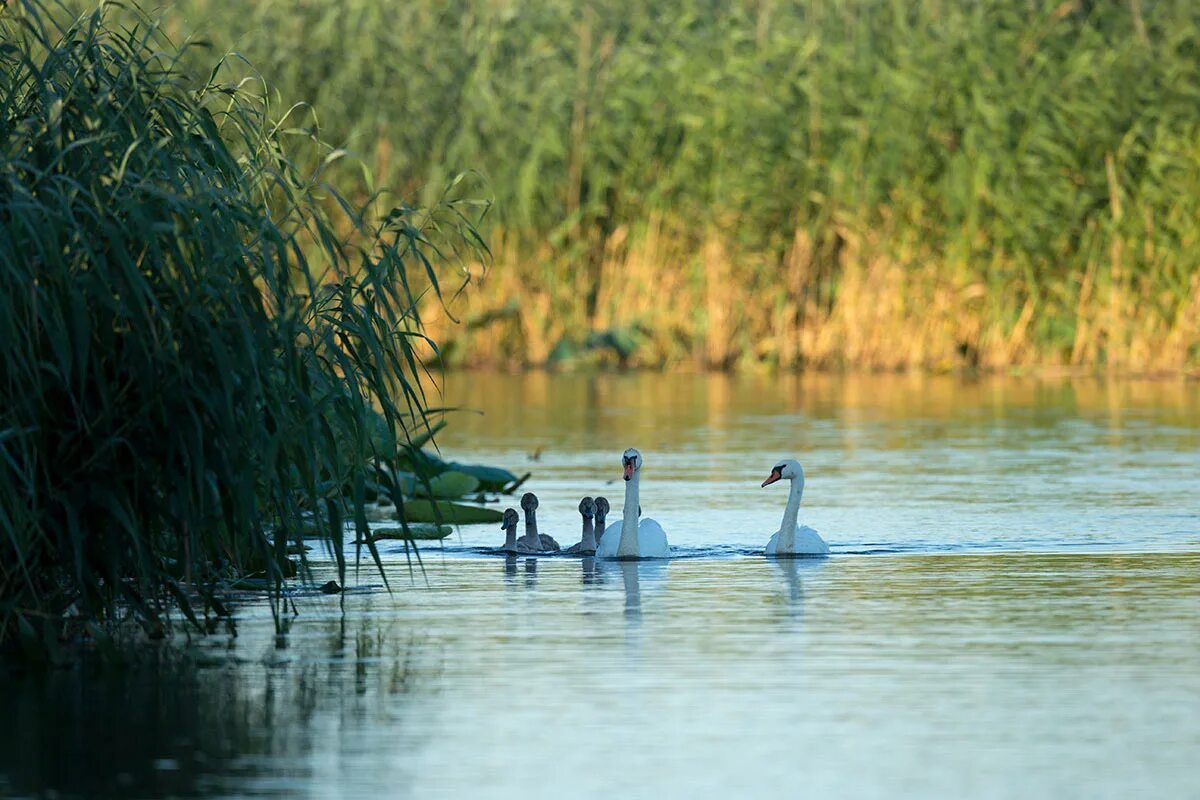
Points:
(809, 542)
(652, 539)
(609, 540)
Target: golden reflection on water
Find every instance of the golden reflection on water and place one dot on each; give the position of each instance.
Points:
(540, 402)
(892, 461)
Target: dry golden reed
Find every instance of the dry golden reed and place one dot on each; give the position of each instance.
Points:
(938, 184)
(895, 307)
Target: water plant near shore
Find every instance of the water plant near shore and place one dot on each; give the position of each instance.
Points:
(205, 343)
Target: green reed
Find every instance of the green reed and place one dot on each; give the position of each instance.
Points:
(1033, 158)
(199, 333)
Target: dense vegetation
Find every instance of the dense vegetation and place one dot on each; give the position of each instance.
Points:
(860, 182)
(204, 347)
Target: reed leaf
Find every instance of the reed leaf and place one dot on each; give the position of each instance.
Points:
(200, 334)
(881, 184)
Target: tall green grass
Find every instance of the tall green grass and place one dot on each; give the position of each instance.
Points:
(199, 333)
(804, 182)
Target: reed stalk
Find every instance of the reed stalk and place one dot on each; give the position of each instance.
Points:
(201, 336)
(996, 183)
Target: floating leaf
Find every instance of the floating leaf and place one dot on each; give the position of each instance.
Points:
(491, 479)
(452, 484)
(417, 530)
(453, 513)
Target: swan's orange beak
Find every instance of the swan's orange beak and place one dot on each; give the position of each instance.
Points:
(774, 477)
(628, 469)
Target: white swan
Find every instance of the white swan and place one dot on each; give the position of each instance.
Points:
(532, 540)
(793, 540)
(631, 538)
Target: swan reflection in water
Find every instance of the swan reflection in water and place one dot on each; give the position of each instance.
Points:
(791, 582)
(633, 590)
(591, 575)
(595, 573)
(790, 569)
(635, 576)
(510, 570)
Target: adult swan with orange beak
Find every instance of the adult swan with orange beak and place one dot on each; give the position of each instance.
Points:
(633, 538)
(792, 540)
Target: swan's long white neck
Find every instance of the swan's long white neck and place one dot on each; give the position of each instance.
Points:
(787, 528)
(628, 546)
(589, 534)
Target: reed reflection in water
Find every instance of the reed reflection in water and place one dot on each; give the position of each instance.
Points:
(988, 675)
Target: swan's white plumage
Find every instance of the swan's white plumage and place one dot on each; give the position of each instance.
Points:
(652, 540)
(792, 539)
(808, 543)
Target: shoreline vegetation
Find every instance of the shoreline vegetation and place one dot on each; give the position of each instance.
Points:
(221, 325)
(210, 354)
(856, 185)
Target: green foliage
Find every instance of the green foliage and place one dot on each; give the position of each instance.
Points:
(487, 478)
(1018, 142)
(196, 329)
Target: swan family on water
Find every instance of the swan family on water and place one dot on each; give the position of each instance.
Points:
(636, 537)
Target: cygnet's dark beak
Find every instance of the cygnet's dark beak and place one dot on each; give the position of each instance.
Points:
(775, 475)
(628, 469)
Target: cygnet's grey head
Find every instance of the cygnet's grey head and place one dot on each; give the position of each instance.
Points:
(529, 501)
(631, 461)
(587, 507)
(786, 468)
(511, 518)
(602, 507)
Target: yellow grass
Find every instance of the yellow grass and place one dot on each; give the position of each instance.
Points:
(894, 307)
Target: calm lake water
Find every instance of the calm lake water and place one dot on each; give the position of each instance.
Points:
(1011, 609)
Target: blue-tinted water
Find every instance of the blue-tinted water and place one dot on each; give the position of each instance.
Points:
(1011, 609)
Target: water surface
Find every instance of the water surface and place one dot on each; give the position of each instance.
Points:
(892, 463)
(1012, 609)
